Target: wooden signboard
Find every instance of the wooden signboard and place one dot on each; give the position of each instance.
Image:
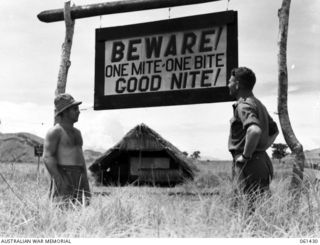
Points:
(172, 62)
(38, 150)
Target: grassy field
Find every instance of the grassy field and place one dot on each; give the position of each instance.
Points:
(201, 208)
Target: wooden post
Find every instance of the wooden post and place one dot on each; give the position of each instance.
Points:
(66, 51)
(98, 9)
(65, 55)
(38, 168)
(38, 171)
(289, 136)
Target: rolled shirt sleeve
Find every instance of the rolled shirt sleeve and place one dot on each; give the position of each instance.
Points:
(245, 113)
(248, 115)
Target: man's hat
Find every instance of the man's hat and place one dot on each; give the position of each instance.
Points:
(63, 102)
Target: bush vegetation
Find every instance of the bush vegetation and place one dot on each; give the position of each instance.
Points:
(201, 208)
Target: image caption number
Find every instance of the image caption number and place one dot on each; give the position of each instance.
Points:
(308, 240)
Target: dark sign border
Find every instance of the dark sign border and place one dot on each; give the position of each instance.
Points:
(165, 98)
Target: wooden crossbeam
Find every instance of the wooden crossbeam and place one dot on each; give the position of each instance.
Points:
(98, 9)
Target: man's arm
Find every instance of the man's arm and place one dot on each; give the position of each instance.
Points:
(248, 116)
(50, 154)
(252, 139)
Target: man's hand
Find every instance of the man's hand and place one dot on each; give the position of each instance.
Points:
(61, 185)
(241, 160)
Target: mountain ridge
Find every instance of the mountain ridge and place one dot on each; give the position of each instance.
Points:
(19, 147)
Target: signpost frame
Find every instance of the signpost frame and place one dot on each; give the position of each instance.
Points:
(163, 98)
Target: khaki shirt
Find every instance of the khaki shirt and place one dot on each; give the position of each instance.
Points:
(245, 113)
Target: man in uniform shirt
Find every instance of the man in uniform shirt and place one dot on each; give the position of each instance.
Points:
(63, 154)
(252, 132)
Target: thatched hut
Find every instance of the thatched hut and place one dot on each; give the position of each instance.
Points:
(141, 157)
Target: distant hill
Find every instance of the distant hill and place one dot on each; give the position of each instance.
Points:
(313, 154)
(19, 148)
(312, 158)
(209, 158)
(90, 156)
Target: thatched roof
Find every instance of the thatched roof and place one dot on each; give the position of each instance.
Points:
(143, 138)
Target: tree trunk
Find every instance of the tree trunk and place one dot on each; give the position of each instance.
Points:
(289, 136)
(66, 52)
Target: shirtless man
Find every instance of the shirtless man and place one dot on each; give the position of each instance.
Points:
(63, 155)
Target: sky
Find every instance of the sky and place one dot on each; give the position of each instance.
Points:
(30, 53)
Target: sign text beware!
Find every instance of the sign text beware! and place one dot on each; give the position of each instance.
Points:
(179, 61)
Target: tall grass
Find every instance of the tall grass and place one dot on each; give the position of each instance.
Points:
(202, 208)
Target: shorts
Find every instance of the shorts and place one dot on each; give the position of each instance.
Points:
(75, 185)
(255, 175)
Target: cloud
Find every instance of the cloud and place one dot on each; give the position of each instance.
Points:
(303, 110)
(25, 117)
(203, 127)
(194, 127)
(100, 130)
